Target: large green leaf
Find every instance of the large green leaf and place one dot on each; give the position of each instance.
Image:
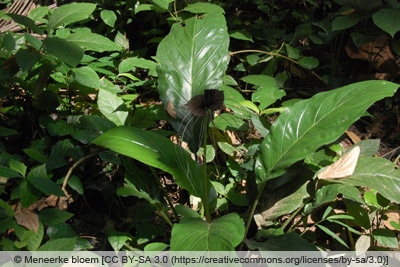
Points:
(388, 20)
(377, 173)
(157, 151)
(192, 57)
(311, 123)
(70, 13)
(194, 234)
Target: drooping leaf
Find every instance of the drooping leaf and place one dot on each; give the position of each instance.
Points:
(70, 13)
(27, 22)
(194, 234)
(192, 58)
(27, 219)
(157, 151)
(309, 124)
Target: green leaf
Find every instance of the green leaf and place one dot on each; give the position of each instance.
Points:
(156, 246)
(112, 107)
(26, 59)
(157, 151)
(75, 183)
(59, 244)
(267, 95)
(27, 22)
(192, 57)
(377, 173)
(109, 17)
(70, 13)
(241, 35)
(129, 64)
(67, 52)
(28, 194)
(360, 215)
(388, 20)
(117, 239)
(285, 199)
(312, 123)
(260, 80)
(131, 190)
(7, 131)
(7, 216)
(18, 166)
(385, 237)
(39, 178)
(328, 194)
(58, 155)
(53, 216)
(194, 234)
(60, 230)
(292, 52)
(344, 22)
(8, 172)
(227, 121)
(93, 41)
(332, 234)
(164, 4)
(308, 62)
(29, 238)
(202, 8)
(87, 77)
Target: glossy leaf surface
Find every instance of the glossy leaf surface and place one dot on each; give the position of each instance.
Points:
(192, 57)
(311, 123)
(157, 151)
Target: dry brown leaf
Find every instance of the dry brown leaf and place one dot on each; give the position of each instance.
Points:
(28, 219)
(354, 137)
(343, 167)
(392, 216)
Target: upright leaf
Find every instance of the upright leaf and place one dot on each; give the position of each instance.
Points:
(311, 123)
(192, 57)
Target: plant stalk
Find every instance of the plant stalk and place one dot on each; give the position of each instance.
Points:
(205, 200)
